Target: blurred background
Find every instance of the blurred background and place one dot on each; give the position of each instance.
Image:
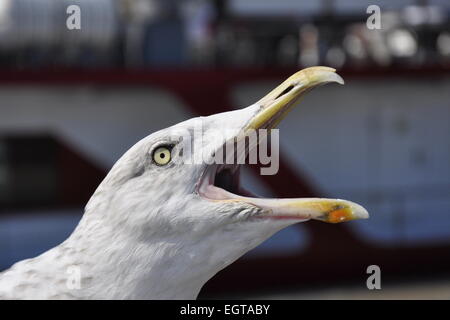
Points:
(72, 101)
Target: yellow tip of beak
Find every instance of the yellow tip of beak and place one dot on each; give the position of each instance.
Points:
(337, 211)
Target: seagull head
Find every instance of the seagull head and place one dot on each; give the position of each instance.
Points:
(179, 188)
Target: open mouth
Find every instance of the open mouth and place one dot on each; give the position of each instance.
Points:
(221, 182)
(224, 183)
(227, 178)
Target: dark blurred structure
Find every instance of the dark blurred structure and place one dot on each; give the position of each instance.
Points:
(158, 33)
(72, 101)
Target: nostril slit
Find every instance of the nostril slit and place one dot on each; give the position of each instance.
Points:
(285, 91)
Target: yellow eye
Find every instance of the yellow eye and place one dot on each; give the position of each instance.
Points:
(162, 156)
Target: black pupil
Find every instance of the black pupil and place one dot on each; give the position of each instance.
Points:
(162, 155)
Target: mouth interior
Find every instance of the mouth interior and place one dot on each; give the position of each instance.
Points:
(224, 183)
(226, 180)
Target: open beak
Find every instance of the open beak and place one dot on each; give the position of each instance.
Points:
(273, 108)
